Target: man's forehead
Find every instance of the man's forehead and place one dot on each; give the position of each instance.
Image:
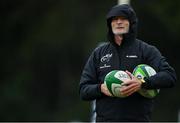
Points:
(121, 17)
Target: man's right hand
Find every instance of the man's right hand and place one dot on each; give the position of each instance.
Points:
(104, 90)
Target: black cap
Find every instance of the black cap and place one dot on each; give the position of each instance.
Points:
(124, 10)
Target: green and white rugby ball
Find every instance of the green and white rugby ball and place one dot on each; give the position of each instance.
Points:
(113, 81)
(142, 71)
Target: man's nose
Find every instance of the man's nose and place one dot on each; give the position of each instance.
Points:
(119, 20)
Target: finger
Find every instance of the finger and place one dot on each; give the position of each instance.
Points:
(109, 94)
(129, 88)
(105, 90)
(129, 73)
(130, 91)
(126, 83)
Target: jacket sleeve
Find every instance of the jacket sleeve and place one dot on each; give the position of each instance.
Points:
(89, 88)
(165, 77)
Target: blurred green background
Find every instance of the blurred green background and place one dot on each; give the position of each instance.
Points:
(45, 44)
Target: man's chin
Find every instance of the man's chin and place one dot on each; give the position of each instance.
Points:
(120, 33)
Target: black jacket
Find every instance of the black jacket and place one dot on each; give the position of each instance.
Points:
(127, 56)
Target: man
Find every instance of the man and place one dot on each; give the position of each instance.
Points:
(123, 52)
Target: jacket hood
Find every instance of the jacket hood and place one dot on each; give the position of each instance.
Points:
(126, 11)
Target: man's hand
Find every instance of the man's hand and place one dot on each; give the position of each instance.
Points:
(104, 90)
(130, 86)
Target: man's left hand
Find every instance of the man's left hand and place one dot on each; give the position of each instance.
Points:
(130, 86)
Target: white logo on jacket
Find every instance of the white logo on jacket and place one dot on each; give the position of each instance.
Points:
(131, 56)
(106, 58)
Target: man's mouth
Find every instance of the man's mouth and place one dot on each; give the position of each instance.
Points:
(119, 27)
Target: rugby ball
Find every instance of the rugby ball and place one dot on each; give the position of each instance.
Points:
(113, 81)
(142, 71)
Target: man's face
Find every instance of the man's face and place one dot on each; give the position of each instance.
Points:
(120, 25)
